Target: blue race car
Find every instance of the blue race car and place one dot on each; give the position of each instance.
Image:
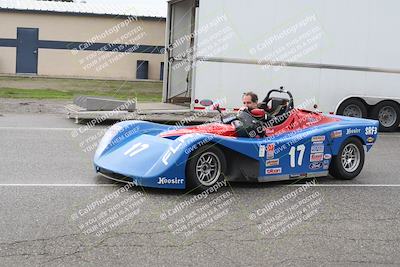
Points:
(275, 142)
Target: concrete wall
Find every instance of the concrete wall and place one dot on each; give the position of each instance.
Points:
(73, 28)
(113, 65)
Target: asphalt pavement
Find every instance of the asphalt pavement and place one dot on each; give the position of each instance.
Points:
(55, 211)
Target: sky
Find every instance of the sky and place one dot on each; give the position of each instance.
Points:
(158, 6)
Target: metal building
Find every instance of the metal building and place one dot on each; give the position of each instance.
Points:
(80, 40)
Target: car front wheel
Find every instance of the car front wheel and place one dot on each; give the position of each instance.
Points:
(206, 167)
(348, 163)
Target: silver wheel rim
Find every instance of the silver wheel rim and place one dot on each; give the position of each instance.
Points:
(352, 111)
(208, 168)
(387, 116)
(351, 158)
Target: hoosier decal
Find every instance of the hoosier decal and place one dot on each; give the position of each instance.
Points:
(353, 131)
(164, 180)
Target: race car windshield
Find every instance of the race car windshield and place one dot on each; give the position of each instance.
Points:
(246, 118)
(247, 125)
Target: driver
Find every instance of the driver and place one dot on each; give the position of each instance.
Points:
(250, 101)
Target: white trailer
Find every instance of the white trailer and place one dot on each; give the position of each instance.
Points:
(341, 56)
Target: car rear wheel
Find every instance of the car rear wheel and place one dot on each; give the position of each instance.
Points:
(353, 108)
(388, 114)
(348, 163)
(205, 168)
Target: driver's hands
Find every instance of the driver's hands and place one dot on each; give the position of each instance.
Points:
(243, 108)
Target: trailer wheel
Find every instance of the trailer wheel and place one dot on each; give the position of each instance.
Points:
(353, 108)
(205, 168)
(348, 163)
(388, 114)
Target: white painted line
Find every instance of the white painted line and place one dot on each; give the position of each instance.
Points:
(347, 185)
(114, 185)
(59, 185)
(49, 129)
(389, 135)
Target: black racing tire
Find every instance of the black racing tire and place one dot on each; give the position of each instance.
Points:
(338, 167)
(353, 108)
(197, 178)
(388, 114)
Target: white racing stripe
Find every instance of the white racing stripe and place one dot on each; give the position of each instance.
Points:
(345, 185)
(59, 185)
(48, 129)
(113, 185)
